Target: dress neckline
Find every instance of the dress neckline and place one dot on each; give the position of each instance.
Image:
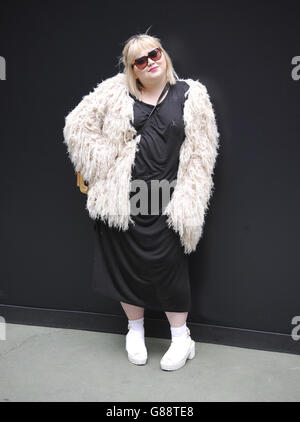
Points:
(152, 105)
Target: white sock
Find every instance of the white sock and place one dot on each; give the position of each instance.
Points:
(179, 331)
(137, 326)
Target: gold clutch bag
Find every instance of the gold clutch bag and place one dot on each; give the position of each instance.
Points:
(81, 184)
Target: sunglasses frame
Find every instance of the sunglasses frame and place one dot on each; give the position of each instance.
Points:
(147, 58)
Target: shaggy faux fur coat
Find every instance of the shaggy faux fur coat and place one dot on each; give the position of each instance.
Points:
(102, 142)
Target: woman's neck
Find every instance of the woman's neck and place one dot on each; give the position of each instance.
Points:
(152, 92)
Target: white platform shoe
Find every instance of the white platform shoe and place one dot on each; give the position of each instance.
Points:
(136, 348)
(181, 349)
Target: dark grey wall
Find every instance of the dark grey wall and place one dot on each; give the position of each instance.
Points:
(245, 273)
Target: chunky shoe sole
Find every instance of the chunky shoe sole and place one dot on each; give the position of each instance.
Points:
(135, 360)
(190, 355)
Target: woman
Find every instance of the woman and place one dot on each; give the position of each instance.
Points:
(146, 125)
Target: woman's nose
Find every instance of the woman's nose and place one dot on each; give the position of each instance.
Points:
(150, 61)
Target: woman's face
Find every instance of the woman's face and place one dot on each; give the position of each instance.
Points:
(146, 75)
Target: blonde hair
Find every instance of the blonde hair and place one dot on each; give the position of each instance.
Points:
(129, 54)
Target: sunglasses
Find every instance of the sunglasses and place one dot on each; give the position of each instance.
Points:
(142, 62)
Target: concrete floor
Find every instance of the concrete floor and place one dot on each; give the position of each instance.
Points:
(51, 364)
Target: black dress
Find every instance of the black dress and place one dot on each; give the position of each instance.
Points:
(146, 265)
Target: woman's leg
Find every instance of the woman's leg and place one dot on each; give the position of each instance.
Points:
(177, 319)
(182, 346)
(135, 338)
(133, 312)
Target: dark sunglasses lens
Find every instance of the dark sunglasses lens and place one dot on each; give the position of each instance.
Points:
(155, 54)
(142, 62)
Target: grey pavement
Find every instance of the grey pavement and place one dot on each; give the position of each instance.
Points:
(39, 364)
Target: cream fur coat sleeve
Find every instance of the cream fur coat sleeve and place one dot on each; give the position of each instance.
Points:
(102, 144)
(190, 200)
(87, 145)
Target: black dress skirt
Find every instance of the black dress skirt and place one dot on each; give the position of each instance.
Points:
(146, 265)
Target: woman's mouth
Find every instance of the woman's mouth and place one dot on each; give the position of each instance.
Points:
(153, 68)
